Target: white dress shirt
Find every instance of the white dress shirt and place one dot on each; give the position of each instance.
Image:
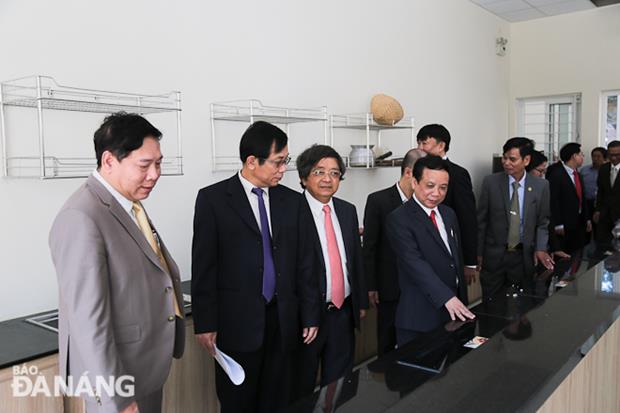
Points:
(253, 198)
(441, 226)
(125, 203)
(319, 221)
(614, 171)
(403, 197)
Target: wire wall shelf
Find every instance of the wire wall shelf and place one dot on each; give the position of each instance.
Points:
(43, 94)
(248, 111)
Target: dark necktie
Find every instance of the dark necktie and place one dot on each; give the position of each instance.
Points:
(578, 187)
(269, 270)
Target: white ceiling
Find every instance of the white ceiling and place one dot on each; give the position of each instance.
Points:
(520, 10)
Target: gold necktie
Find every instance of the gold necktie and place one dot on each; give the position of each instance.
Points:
(146, 229)
(514, 229)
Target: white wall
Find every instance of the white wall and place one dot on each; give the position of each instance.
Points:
(436, 57)
(576, 52)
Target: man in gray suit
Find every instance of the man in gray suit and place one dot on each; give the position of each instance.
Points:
(119, 312)
(513, 222)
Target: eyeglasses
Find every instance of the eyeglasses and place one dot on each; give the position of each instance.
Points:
(320, 173)
(541, 170)
(278, 164)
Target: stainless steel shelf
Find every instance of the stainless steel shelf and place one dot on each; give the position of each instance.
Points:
(43, 93)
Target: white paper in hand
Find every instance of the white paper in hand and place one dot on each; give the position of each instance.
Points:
(231, 367)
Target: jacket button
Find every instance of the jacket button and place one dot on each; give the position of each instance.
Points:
(171, 318)
(167, 289)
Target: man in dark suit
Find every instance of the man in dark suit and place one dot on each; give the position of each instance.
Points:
(607, 210)
(338, 267)
(434, 139)
(379, 259)
(425, 237)
(513, 225)
(251, 276)
(569, 210)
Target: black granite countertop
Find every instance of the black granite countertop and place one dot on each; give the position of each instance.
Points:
(21, 341)
(535, 342)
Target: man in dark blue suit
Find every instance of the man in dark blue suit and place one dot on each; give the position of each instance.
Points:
(253, 292)
(426, 239)
(332, 224)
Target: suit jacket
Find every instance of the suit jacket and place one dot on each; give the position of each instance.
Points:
(379, 258)
(494, 216)
(565, 209)
(227, 267)
(460, 197)
(116, 312)
(347, 218)
(607, 199)
(427, 271)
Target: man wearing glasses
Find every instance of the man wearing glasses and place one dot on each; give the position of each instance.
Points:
(338, 268)
(252, 284)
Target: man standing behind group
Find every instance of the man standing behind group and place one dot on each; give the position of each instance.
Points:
(338, 266)
(590, 176)
(608, 196)
(119, 310)
(569, 211)
(434, 139)
(424, 234)
(513, 222)
(379, 258)
(251, 274)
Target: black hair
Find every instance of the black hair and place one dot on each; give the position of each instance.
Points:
(121, 133)
(432, 162)
(437, 131)
(613, 144)
(537, 158)
(308, 159)
(525, 146)
(600, 149)
(259, 138)
(569, 150)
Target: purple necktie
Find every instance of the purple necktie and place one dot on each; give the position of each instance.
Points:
(269, 270)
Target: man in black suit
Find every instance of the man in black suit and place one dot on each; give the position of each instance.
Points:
(434, 139)
(379, 259)
(569, 210)
(252, 283)
(338, 267)
(607, 210)
(425, 237)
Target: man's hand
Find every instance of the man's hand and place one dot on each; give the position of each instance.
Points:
(132, 408)
(470, 275)
(457, 309)
(309, 334)
(479, 263)
(207, 340)
(589, 226)
(544, 258)
(362, 314)
(373, 298)
(560, 254)
(595, 217)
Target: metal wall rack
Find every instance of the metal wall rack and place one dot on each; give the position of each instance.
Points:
(365, 122)
(249, 111)
(43, 93)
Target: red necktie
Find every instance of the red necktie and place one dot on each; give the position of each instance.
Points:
(578, 187)
(335, 263)
(434, 219)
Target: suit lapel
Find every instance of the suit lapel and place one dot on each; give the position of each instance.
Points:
(276, 203)
(503, 187)
(316, 242)
(239, 202)
(124, 219)
(419, 214)
(345, 226)
(452, 241)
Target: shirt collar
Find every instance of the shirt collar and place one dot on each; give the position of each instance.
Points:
(568, 169)
(427, 210)
(521, 181)
(403, 197)
(248, 186)
(316, 206)
(125, 203)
